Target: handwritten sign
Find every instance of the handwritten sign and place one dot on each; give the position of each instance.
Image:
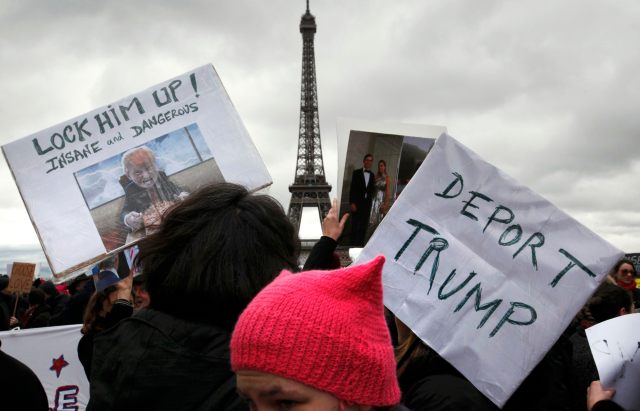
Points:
(615, 345)
(21, 278)
(485, 271)
(98, 183)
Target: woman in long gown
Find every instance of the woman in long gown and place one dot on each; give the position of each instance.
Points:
(380, 204)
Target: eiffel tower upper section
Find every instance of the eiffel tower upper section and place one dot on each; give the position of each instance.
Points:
(310, 188)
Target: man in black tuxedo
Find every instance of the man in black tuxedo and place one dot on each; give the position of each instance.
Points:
(362, 190)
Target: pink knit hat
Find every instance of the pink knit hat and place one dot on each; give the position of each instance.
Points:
(325, 329)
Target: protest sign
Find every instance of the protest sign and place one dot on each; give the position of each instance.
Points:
(99, 182)
(396, 152)
(615, 345)
(52, 354)
(21, 278)
(482, 269)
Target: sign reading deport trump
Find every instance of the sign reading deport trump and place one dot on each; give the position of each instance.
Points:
(485, 271)
(100, 182)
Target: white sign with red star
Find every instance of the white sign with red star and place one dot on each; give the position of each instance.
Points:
(52, 354)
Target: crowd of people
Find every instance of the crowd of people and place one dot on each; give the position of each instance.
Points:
(223, 318)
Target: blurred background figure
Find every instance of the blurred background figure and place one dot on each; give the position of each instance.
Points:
(623, 274)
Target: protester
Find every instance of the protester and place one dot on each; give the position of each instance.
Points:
(322, 256)
(6, 304)
(317, 341)
(599, 398)
(77, 284)
(73, 312)
(609, 301)
(141, 297)
(39, 313)
(210, 256)
(20, 387)
(55, 299)
(111, 303)
(429, 383)
(623, 274)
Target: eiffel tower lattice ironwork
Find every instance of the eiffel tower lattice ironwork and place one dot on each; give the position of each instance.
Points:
(310, 187)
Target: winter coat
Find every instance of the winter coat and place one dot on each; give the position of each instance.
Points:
(154, 361)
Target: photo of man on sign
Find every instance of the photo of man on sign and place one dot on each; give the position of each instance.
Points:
(128, 194)
(147, 190)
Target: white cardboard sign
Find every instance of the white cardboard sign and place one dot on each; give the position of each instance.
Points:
(91, 191)
(615, 345)
(485, 271)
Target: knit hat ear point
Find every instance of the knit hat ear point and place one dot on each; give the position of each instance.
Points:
(284, 273)
(368, 276)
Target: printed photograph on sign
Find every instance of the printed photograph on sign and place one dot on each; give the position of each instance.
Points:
(97, 183)
(127, 194)
(377, 167)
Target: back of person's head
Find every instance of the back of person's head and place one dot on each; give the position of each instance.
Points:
(49, 288)
(323, 329)
(215, 251)
(36, 296)
(609, 301)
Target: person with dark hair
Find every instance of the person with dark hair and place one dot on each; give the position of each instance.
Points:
(55, 299)
(623, 275)
(39, 313)
(210, 256)
(428, 382)
(141, 297)
(608, 301)
(110, 304)
(73, 312)
(361, 193)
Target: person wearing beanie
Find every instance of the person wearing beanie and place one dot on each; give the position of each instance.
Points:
(317, 341)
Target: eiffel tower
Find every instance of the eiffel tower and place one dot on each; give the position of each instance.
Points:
(310, 187)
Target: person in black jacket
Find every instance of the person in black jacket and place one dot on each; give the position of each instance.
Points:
(599, 398)
(609, 301)
(111, 303)
(429, 383)
(21, 388)
(211, 255)
(322, 256)
(361, 192)
(55, 299)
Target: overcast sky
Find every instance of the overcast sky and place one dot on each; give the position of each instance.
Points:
(545, 90)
